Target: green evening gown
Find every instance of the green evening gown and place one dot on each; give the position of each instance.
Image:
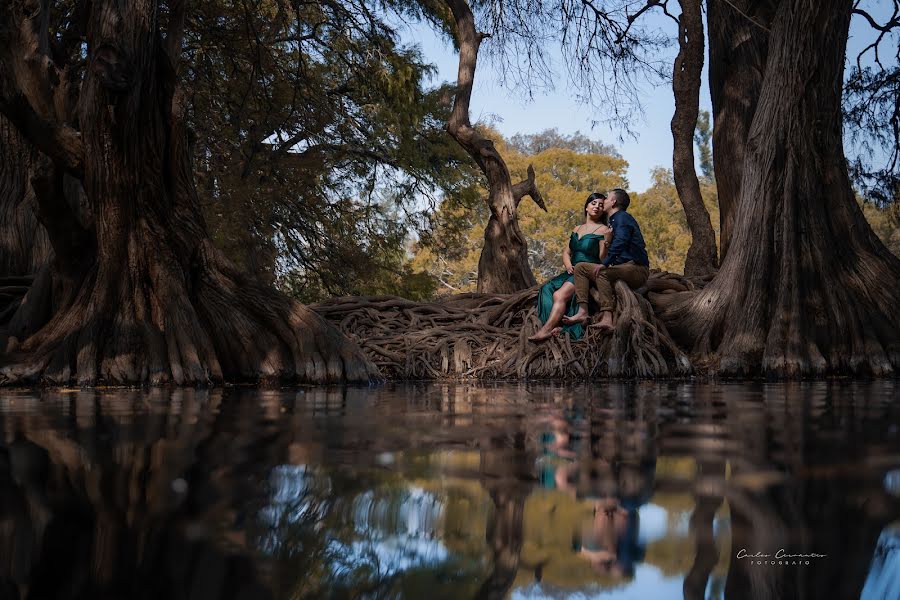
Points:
(583, 249)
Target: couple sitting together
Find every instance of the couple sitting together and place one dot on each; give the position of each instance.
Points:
(606, 248)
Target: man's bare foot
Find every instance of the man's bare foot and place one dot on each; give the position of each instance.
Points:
(605, 324)
(580, 317)
(603, 328)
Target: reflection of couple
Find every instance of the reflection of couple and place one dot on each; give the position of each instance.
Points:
(592, 256)
(616, 485)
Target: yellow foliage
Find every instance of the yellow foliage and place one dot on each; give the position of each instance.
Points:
(885, 222)
(565, 178)
(661, 217)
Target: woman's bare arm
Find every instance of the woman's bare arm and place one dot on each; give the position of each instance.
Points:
(567, 260)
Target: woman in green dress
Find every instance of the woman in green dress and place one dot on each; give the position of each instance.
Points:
(587, 243)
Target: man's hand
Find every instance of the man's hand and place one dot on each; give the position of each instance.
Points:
(597, 270)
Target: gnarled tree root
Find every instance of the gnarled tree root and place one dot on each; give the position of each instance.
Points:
(485, 336)
(154, 324)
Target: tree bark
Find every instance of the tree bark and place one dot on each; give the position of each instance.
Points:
(807, 287)
(701, 256)
(24, 247)
(738, 44)
(153, 301)
(503, 267)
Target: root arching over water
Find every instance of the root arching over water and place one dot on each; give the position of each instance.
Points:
(485, 336)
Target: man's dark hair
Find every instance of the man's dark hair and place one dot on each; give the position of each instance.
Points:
(621, 197)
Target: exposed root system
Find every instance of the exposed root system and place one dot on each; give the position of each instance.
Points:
(485, 336)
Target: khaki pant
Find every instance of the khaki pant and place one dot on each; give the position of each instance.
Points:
(633, 275)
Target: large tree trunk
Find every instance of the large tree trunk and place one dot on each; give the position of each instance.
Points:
(503, 267)
(24, 247)
(807, 288)
(151, 299)
(701, 256)
(738, 44)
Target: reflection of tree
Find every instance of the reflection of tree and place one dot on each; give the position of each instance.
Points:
(504, 537)
(90, 509)
(708, 498)
(805, 476)
(506, 473)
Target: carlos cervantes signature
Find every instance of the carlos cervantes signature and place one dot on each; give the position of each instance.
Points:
(781, 557)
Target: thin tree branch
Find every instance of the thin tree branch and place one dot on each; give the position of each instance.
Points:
(893, 22)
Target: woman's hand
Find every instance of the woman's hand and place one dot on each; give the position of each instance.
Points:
(569, 268)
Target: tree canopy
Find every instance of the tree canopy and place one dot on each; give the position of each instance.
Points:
(318, 143)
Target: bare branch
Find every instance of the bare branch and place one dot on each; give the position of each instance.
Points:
(892, 22)
(632, 18)
(527, 187)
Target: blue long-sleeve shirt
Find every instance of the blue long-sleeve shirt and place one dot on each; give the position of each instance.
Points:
(628, 243)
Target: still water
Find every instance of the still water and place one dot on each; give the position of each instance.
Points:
(614, 491)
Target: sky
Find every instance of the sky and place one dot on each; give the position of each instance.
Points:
(511, 112)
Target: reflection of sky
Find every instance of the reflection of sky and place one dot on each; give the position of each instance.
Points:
(389, 555)
(654, 524)
(883, 581)
(648, 582)
(292, 500)
(415, 512)
(397, 532)
(396, 529)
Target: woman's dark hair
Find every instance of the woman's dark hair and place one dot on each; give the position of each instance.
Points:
(591, 198)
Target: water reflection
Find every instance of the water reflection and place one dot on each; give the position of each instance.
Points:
(452, 491)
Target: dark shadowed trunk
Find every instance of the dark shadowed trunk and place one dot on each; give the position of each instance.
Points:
(701, 256)
(503, 267)
(738, 43)
(24, 247)
(149, 298)
(807, 288)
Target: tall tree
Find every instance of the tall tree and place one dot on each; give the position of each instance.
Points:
(312, 125)
(701, 256)
(738, 45)
(807, 287)
(503, 266)
(150, 298)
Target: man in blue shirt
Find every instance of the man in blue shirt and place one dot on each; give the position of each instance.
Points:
(626, 260)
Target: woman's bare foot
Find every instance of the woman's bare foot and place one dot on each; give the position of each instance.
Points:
(540, 336)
